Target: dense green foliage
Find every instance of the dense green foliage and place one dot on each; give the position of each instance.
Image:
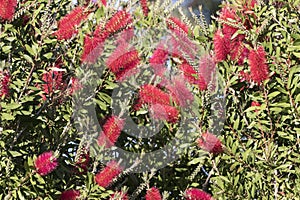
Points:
(261, 158)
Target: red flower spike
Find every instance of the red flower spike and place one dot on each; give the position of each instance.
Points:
(153, 194)
(74, 85)
(93, 47)
(104, 2)
(210, 143)
(222, 46)
(123, 60)
(176, 24)
(144, 7)
(164, 112)
(182, 47)
(67, 25)
(207, 72)
(4, 84)
(45, 163)
(255, 104)
(53, 80)
(259, 69)
(7, 9)
(119, 20)
(70, 195)
(158, 60)
(150, 94)
(197, 194)
(111, 131)
(119, 196)
(189, 73)
(105, 177)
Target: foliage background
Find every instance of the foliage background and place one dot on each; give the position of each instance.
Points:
(261, 158)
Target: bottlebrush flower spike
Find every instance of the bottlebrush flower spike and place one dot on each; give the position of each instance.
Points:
(164, 112)
(189, 73)
(73, 86)
(221, 46)
(105, 177)
(111, 131)
(197, 194)
(119, 20)
(144, 7)
(259, 69)
(53, 80)
(123, 60)
(7, 9)
(83, 161)
(158, 60)
(153, 194)
(210, 143)
(45, 163)
(93, 47)
(67, 25)
(207, 72)
(150, 94)
(70, 195)
(177, 25)
(119, 196)
(4, 84)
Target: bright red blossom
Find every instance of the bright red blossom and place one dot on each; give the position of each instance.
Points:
(259, 69)
(210, 143)
(176, 24)
(111, 131)
(45, 163)
(164, 112)
(207, 72)
(53, 80)
(153, 194)
(105, 177)
(7, 9)
(93, 47)
(197, 194)
(221, 46)
(4, 84)
(120, 20)
(144, 7)
(67, 25)
(70, 195)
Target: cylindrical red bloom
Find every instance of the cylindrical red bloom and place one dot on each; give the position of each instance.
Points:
(111, 131)
(176, 24)
(259, 69)
(189, 73)
(255, 103)
(74, 85)
(164, 112)
(197, 194)
(158, 60)
(67, 25)
(221, 46)
(144, 7)
(207, 72)
(105, 177)
(150, 94)
(70, 195)
(7, 9)
(119, 20)
(4, 84)
(123, 60)
(210, 143)
(45, 163)
(153, 194)
(119, 196)
(53, 80)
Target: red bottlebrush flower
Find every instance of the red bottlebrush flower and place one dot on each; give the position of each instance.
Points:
(82, 162)
(144, 7)
(45, 163)
(125, 36)
(164, 112)
(237, 47)
(105, 177)
(153, 194)
(111, 131)
(53, 80)
(189, 73)
(176, 24)
(119, 196)
(149, 94)
(259, 69)
(181, 46)
(103, 2)
(197, 194)
(7, 9)
(67, 25)
(255, 104)
(4, 84)
(222, 46)
(179, 91)
(70, 195)
(119, 20)
(93, 47)
(74, 85)
(210, 143)
(245, 76)
(158, 60)
(243, 56)
(123, 60)
(207, 72)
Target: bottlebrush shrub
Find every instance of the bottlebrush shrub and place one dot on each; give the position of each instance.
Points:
(162, 72)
